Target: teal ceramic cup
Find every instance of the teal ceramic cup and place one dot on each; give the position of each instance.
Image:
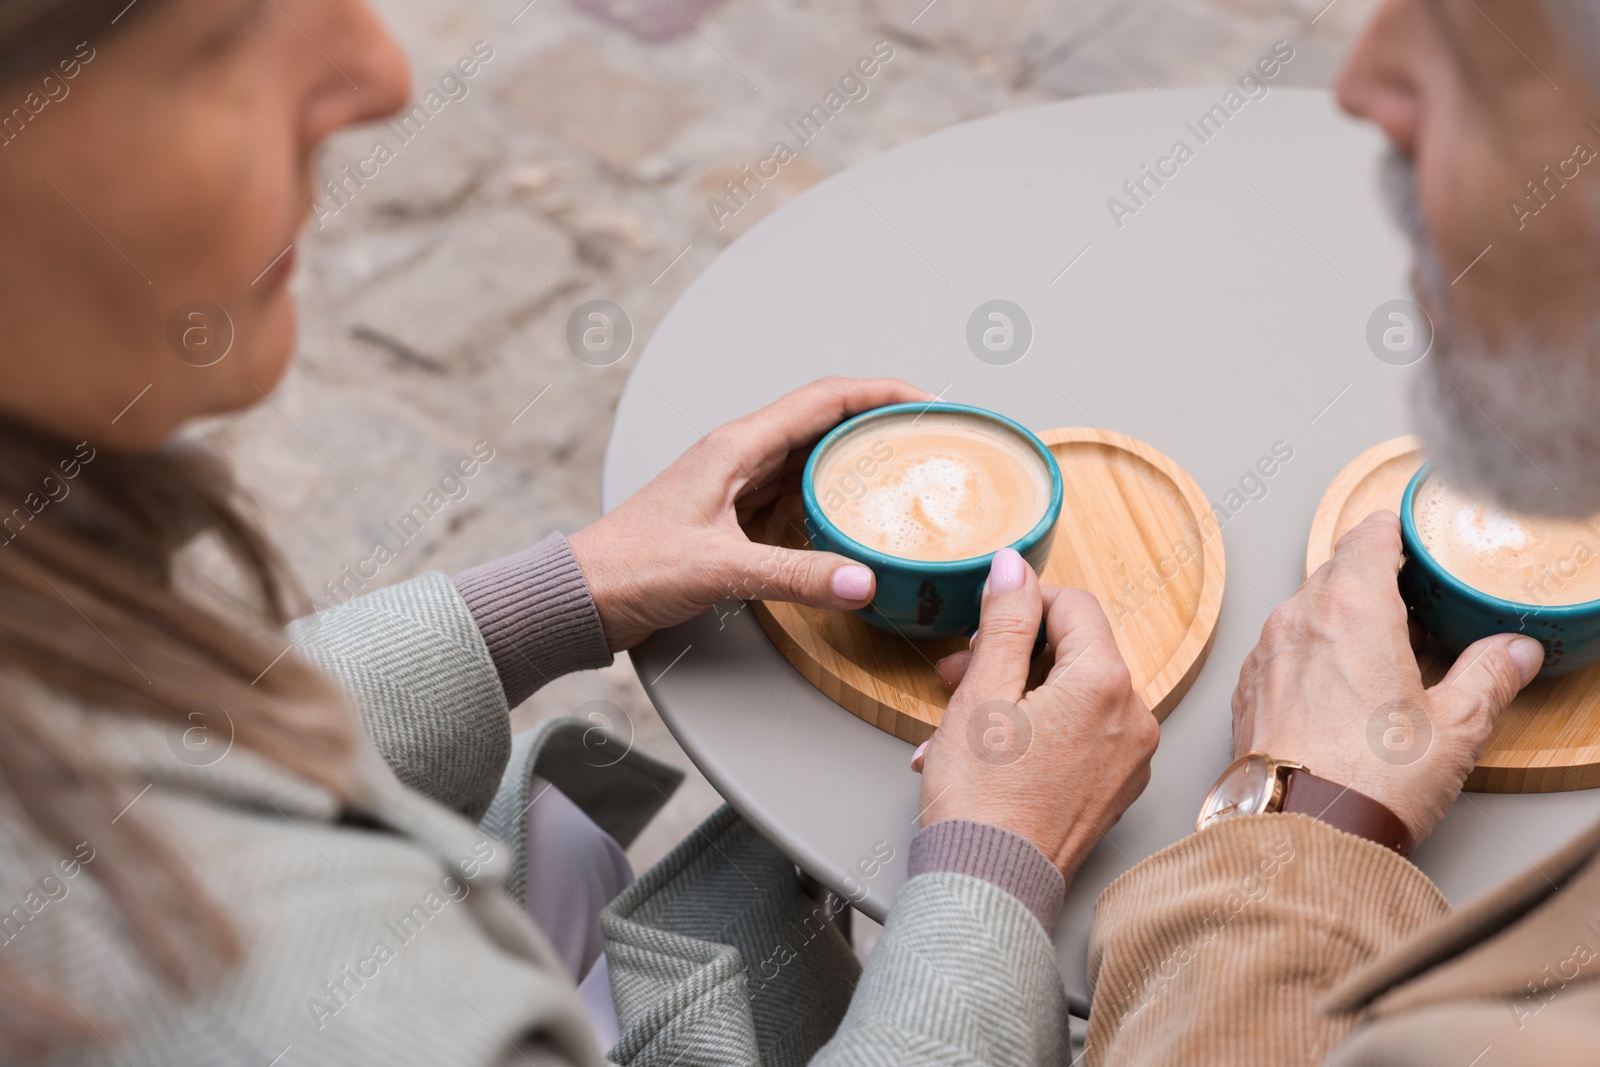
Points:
(921, 599)
(1457, 614)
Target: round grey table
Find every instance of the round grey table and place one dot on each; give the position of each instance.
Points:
(1220, 315)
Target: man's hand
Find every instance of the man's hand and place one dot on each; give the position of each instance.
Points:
(675, 547)
(1334, 685)
(1059, 764)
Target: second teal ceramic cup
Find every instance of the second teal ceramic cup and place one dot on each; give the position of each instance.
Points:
(1457, 614)
(917, 598)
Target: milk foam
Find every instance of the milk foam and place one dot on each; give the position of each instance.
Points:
(937, 486)
(1476, 528)
(1525, 559)
(931, 493)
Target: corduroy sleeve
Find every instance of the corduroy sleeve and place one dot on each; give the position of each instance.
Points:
(1216, 949)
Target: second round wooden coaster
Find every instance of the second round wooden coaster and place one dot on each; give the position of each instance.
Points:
(1548, 740)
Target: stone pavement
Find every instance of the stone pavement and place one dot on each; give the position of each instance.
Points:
(570, 150)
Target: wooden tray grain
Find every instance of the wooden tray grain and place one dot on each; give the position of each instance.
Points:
(1135, 530)
(1548, 740)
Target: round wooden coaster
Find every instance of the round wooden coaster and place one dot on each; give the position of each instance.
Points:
(1135, 530)
(1548, 740)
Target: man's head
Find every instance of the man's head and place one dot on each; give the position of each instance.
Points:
(1494, 116)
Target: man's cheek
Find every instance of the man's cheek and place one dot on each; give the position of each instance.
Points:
(1456, 209)
(1489, 276)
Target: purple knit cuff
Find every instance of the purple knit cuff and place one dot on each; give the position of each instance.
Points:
(1001, 857)
(536, 615)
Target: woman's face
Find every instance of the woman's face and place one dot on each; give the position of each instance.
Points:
(150, 203)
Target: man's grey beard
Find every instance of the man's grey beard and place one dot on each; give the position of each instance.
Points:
(1519, 422)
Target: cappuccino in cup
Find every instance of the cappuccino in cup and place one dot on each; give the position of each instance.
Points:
(934, 486)
(1527, 560)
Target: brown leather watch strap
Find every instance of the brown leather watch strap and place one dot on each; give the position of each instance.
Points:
(1345, 809)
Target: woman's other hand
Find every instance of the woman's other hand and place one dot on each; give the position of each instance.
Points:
(675, 548)
(1058, 763)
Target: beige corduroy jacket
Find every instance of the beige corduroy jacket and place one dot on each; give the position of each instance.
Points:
(1277, 939)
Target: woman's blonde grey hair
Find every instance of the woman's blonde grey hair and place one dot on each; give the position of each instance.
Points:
(94, 615)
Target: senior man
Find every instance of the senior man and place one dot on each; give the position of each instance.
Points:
(1341, 951)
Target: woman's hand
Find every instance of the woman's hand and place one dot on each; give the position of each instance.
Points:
(675, 547)
(1057, 764)
(1334, 685)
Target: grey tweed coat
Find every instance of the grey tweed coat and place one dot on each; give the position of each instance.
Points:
(393, 933)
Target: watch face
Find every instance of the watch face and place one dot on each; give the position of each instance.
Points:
(1244, 789)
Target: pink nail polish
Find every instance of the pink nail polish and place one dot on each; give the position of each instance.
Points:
(852, 582)
(921, 750)
(1006, 573)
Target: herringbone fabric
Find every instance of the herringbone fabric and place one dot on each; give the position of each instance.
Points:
(429, 696)
(391, 939)
(963, 974)
(718, 958)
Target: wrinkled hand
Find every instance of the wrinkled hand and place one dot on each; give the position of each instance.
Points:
(1334, 685)
(1057, 764)
(675, 548)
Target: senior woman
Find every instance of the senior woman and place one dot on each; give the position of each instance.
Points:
(335, 880)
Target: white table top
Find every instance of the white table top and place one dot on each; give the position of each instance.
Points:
(1229, 313)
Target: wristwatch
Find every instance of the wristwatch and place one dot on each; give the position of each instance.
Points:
(1257, 784)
